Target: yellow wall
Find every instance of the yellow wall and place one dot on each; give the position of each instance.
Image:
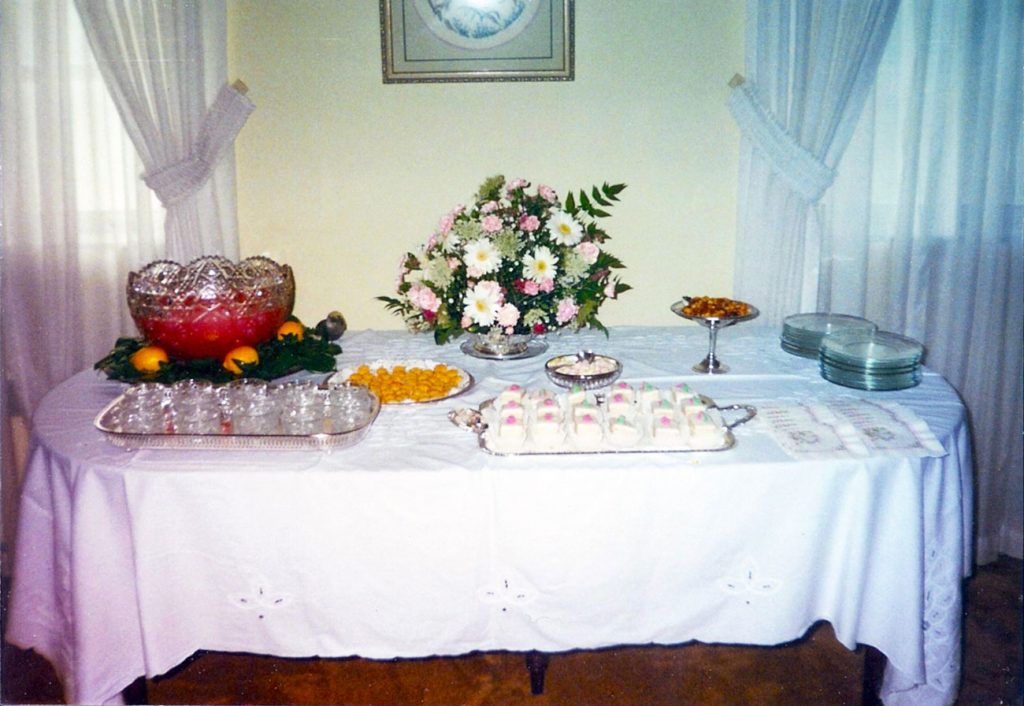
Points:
(338, 173)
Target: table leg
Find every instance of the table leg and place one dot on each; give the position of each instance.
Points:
(537, 663)
(874, 670)
(136, 693)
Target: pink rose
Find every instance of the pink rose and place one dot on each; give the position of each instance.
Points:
(547, 193)
(547, 285)
(529, 223)
(588, 251)
(516, 184)
(531, 288)
(508, 315)
(489, 207)
(491, 224)
(566, 310)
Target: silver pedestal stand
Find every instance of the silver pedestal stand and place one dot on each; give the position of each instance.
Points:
(711, 365)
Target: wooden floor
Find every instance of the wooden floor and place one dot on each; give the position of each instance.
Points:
(816, 670)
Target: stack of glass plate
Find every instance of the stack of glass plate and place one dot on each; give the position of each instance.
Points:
(802, 333)
(871, 360)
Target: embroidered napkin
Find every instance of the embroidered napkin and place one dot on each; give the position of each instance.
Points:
(843, 428)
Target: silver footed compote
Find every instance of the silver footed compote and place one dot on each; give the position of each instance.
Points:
(711, 365)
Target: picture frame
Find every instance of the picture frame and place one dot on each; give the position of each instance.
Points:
(448, 41)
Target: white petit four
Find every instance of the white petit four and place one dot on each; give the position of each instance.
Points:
(692, 404)
(576, 394)
(649, 394)
(588, 429)
(547, 429)
(584, 407)
(512, 393)
(620, 403)
(511, 429)
(623, 431)
(703, 430)
(665, 428)
(512, 409)
(624, 389)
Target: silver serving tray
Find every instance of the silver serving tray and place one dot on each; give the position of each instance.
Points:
(228, 441)
(475, 420)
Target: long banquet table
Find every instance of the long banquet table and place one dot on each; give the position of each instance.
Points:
(416, 542)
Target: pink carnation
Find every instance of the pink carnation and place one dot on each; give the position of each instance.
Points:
(566, 310)
(529, 223)
(547, 193)
(588, 251)
(609, 290)
(547, 285)
(508, 315)
(424, 298)
(516, 184)
(491, 224)
(489, 207)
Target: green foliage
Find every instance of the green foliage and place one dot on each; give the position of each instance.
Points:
(277, 358)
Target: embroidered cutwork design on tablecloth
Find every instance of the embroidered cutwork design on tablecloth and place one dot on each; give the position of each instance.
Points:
(506, 594)
(260, 599)
(844, 428)
(749, 582)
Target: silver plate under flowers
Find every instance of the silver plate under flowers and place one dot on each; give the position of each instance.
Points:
(535, 346)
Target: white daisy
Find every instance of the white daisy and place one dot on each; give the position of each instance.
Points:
(482, 303)
(482, 255)
(564, 229)
(541, 265)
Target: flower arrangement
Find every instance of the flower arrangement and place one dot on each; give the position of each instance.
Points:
(519, 261)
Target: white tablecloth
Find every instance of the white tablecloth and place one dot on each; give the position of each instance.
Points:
(415, 542)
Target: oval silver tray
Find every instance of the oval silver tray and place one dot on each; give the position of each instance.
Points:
(228, 441)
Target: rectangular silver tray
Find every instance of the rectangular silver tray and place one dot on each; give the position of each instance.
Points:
(228, 441)
(645, 446)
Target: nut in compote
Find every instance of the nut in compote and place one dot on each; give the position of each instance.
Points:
(715, 307)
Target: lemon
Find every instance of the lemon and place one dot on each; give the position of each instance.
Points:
(147, 359)
(291, 328)
(241, 354)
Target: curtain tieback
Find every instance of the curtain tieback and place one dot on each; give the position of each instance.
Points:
(220, 126)
(807, 175)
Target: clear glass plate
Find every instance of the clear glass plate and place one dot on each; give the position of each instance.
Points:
(875, 350)
(802, 333)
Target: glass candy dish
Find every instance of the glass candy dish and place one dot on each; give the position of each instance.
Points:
(210, 306)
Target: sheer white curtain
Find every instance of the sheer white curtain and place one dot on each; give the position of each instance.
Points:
(809, 67)
(925, 226)
(163, 60)
(75, 219)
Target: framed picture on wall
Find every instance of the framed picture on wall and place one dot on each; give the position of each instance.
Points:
(476, 40)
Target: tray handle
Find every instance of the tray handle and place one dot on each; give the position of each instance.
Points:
(749, 413)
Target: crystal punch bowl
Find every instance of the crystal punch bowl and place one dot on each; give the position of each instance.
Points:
(206, 308)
